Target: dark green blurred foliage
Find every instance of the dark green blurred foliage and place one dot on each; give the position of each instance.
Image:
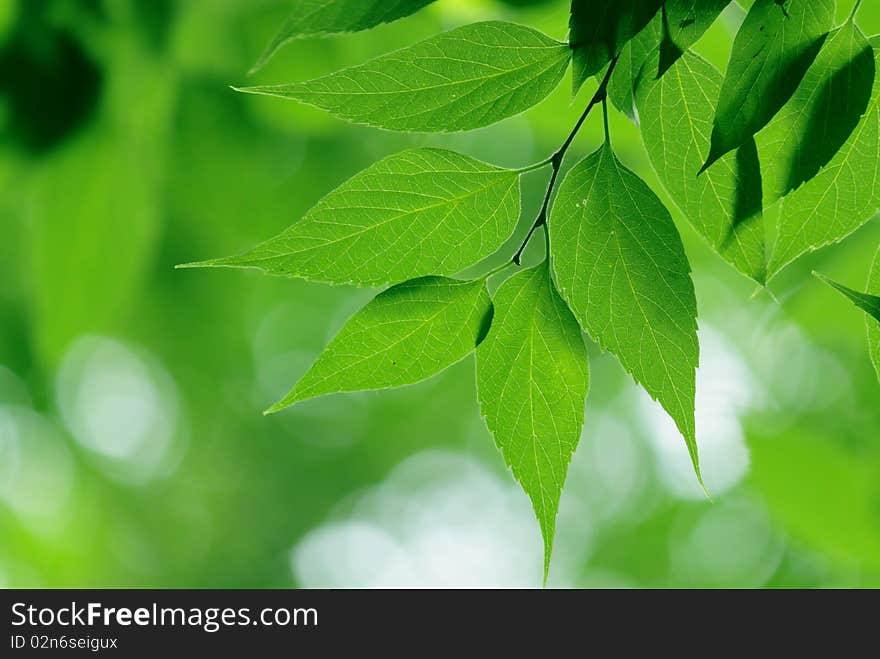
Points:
(50, 84)
(132, 449)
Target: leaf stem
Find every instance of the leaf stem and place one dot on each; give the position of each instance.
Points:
(531, 168)
(556, 159)
(495, 271)
(605, 121)
(855, 9)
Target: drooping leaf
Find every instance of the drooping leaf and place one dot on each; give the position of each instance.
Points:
(874, 328)
(841, 197)
(684, 22)
(724, 204)
(771, 53)
(404, 335)
(467, 78)
(533, 378)
(620, 264)
(822, 114)
(416, 213)
(630, 67)
(313, 18)
(599, 29)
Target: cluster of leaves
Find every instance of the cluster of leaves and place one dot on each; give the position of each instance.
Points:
(800, 97)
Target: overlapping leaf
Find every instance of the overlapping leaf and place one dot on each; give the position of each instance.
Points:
(724, 203)
(771, 53)
(630, 68)
(684, 22)
(874, 328)
(841, 197)
(533, 378)
(404, 335)
(822, 114)
(416, 213)
(323, 17)
(467, 78)
(599, 30)
(869, 303)
(620, 265)
(671, 33)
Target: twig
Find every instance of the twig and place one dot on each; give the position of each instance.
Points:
(557, 158)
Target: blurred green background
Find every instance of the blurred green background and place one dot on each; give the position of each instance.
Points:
(132, 448)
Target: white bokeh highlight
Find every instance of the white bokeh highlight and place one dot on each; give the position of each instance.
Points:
(36, 469)
(121, 406)
(726, 387)
(440, 519)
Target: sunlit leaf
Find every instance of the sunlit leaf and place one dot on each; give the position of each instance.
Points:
(416, 213)
(404, 335)
(684, 22)
(724, 204)
(869, 303)
(323, 17)
(470, 77)
(599, 29)
(840, 198)
(620, 265)
(630, 68)
(822, 114)
(533, 378)
(771, 53)
(670, 33)
(874, 328)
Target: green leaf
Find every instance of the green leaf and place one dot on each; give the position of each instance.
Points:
(404, 335)
(874, 328)
(684, 22)
(325, 17)
(620, 265)
(870, 304)
(867, 302)
(630, 67)
(599, 29)
(771, 53)
(724, 204)
(467, 78)
(671, 32)
(822, 114)
(416, 213)
(533, 378)
(840, 198)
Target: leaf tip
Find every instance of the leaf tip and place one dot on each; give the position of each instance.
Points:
(258, 65)
(548, 552)
(191, 265)
(705, 489)
(210, 263)
(290, 399)
(260, 90)
(277, 407)
(818, 275)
